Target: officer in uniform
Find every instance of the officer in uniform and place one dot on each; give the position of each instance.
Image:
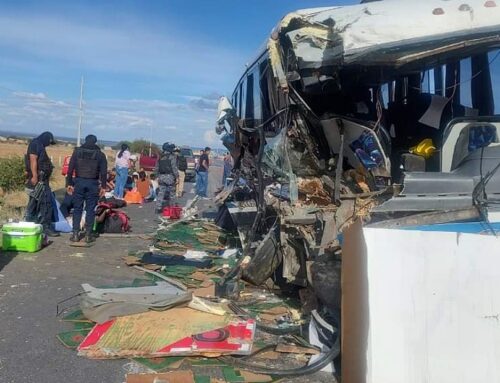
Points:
(168, 174)
(38, 171)
(88, 182)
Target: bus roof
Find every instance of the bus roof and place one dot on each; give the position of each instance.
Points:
(388, 32)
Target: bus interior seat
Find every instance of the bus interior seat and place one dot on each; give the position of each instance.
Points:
(415, 119)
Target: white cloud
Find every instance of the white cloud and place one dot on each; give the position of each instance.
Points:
(113, 120)
(211, 138)
(118, 49)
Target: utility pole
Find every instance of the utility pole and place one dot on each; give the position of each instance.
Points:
(151, 141)
(78, 139)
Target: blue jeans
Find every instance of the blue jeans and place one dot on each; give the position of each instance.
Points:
(86, 190)
(202, 184)
(121, 180)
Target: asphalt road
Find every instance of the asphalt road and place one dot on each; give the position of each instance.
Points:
(32, 285)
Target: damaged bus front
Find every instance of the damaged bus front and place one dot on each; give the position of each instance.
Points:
(380, 111)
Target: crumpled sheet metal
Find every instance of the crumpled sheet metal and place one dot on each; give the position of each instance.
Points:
(101, 305)
(365, 33)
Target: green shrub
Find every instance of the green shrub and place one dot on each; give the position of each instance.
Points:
(12, 176)
(139, 146)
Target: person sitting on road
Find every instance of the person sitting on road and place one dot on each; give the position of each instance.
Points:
(135, 179)
(153, 187)
(110, 181)
(142, 184)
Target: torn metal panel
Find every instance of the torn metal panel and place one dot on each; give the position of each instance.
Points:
(385, 32)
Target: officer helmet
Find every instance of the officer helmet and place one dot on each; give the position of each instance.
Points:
(168, 147)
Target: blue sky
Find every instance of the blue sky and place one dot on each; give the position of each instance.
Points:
(149, 66)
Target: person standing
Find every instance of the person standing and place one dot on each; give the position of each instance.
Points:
(197, 168)
(204, 164)
(38, 171)
(182, 167)
(90, 167)
(167, 172)
(122, 164)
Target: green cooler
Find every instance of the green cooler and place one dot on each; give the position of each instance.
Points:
(22, 236)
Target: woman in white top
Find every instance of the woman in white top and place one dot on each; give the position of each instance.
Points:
(122, 164)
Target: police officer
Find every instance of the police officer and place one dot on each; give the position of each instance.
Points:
(38, 171)
(168, 174)
(89, 166)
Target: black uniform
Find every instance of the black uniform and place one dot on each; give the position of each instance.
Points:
(90, 167)
(39, 209)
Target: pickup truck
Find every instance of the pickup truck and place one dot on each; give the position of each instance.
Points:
(148, 163)
(191, 164)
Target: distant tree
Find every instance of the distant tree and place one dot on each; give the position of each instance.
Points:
(139, 146)
(142, 147)
(118, 146)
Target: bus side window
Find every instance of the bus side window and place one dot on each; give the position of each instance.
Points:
(234, 101)
(264, 91)
(249, 107)
(242, 102)
(257, 99)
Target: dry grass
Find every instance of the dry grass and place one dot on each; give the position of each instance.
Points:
(56, 152)
(12, 204)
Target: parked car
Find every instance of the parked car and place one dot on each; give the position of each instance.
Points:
(191, 163)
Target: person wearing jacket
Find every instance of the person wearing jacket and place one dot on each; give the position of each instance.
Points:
(39, 168)
(90, 167)
(167, 172)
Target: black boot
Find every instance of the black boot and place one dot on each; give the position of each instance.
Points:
(75, 237)
(50, 232)
(89, 237)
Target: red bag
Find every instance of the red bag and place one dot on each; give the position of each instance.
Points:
(116, 221)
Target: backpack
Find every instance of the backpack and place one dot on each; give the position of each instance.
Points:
(116, 221)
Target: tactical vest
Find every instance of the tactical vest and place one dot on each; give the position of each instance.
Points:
(165, 165)
(87, 163)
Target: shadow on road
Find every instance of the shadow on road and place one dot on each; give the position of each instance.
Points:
(6, 257)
